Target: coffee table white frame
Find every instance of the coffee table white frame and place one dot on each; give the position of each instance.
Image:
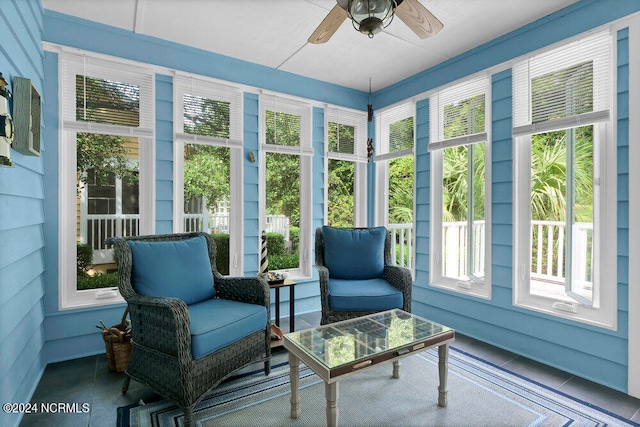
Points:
(331, 376)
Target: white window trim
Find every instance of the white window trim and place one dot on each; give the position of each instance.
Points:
(68, 296)
(603, 314)
(436, 278)
(358, 120)
(305, 152)
(202, 87)
(403, 111)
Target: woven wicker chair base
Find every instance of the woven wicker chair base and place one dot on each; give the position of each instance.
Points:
(161, 356)
(399, 277)
(185, 384)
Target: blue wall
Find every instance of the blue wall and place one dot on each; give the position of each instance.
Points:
(22, 240)
(593, 353)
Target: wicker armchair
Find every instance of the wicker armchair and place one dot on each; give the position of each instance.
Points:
(165, 355)
(348, 287)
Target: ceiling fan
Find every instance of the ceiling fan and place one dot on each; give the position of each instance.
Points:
(371, 16)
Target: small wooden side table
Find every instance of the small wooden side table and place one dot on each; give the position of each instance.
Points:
(292, 312)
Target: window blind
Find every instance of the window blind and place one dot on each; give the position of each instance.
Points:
(107, 97)
(566, 87)
(208, 112)
(395, 131)
(347, 132)
(287, 125)
(458, 114)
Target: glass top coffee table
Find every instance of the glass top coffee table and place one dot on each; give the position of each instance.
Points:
(340, 349)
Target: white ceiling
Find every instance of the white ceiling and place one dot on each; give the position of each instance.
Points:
(274, 33)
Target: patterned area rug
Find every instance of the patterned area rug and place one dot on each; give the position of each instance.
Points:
(480, 394)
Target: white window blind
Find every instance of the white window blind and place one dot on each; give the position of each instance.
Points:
(107, 97)
(458, 114)
(347, 134)
(287, 125)
(566, 87)
(395, 131)
(208, 112)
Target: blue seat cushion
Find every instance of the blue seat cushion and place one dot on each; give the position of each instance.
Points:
(363, 295)
(354, 253)
(216, 323)
(179, 269)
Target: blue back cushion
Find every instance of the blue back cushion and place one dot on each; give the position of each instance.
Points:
(179, 269)
(354, 253)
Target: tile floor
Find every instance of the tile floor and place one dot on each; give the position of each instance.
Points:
(89, 380)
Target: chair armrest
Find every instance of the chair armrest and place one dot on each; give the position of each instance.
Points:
(323, 274)
(252, 290)
(400, 278)
(161, 324)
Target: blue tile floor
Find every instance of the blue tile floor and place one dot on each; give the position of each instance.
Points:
(88, 380)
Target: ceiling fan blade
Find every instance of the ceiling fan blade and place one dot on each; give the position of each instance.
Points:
(418, 18)
(329, 25)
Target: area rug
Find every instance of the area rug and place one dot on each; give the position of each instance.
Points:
(480, 394)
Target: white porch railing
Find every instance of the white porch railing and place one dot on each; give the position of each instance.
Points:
(101, 227)
(547, 243)
(278, 224)
(210, 223)
(455, 249)
(401, 244)
(219, 223)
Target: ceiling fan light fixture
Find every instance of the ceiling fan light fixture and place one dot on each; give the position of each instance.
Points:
(371, 16)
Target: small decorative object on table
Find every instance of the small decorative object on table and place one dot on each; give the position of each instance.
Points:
(117, 340)
(273, 278)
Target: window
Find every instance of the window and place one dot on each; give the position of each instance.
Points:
(208, 153)
(346, 155)
(565, 184)
(106, 172)
(395, 182)
(285, 183)
(461, 206)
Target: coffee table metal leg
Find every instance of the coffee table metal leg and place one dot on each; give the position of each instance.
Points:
(331, 393)
(294, 377)
(396, 369)
(443, 370)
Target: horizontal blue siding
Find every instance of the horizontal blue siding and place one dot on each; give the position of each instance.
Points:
(22, 196)
(251, 184)
(164, 154)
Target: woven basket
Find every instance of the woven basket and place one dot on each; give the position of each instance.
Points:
(118, 344)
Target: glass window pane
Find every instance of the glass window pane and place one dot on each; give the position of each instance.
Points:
(401, 181)
(401, 135)
(478, 229)
(463, 216)
(562, 187)
(107, 203)
(283, 209)
(282, 128)
(464, 118)
(455, 204)
(208, 117)
(340, 193)
(341, 138)
(107, 101)
(207, 196)
(562, 93)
